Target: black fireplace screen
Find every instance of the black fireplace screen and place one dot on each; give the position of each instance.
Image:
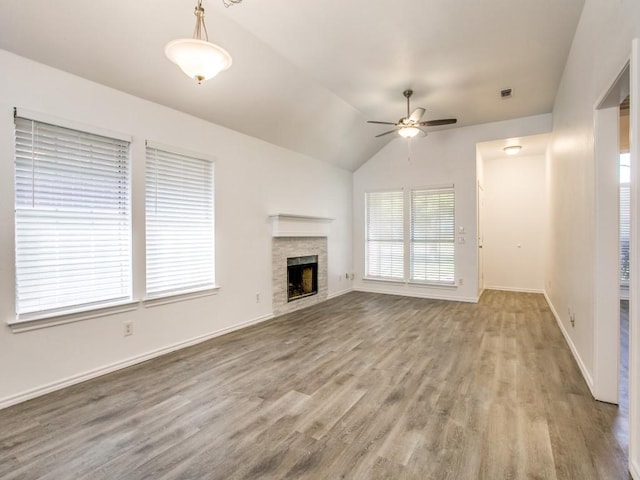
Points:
(302, 277)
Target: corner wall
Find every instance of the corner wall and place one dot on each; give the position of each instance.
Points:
(253, 179)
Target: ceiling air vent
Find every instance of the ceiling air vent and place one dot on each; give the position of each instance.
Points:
(505, 93)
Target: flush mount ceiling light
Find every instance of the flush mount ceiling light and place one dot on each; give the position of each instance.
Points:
(512, 149)
(197, 57)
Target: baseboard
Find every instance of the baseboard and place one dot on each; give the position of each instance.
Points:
(83, 377)
(340, 293)
(572, 347)
(416, 294)
(513, 289)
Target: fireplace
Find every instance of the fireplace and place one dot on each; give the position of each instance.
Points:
(284, 248)
(302, 277)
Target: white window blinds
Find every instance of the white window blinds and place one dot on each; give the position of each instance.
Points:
(73, 240)
(180, 223)
(432, 248)
(385, 235)
(625, 228)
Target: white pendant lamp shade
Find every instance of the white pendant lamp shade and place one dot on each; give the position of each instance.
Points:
(198, 59)
(409, 132)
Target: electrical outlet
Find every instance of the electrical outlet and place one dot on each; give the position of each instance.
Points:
(572, 318)
(352, 276)
(128, 328)
(346, 275)
(461, 281)
(257, 298)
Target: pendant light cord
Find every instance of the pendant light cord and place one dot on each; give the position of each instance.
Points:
(200, 25)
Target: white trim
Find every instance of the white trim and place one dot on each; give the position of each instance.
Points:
(384, 280)
(442, 186)
(289, 225)
(513, 289)
(572, 347)
(70, 316)
(634, 289)
(340, 293)
(71, 124)
(634, 468)
(75, 379)
(179, 297)
(179, 150)
(415, 294)
(415, 283)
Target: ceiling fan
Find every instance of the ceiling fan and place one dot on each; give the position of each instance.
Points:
(409, 126)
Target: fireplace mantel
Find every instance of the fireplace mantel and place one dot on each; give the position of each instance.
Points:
(288, 225)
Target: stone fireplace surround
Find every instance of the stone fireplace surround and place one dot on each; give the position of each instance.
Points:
(297, 236)
(286, 247)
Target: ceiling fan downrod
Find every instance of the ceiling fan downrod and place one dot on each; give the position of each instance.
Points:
(407, 94)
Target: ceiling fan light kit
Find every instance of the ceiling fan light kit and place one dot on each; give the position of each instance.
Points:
(410, 126)
(197, 57)
(408, 132)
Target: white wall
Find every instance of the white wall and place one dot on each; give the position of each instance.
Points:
(252, 180)
(514, 223)
(442, 158)
(600, 50)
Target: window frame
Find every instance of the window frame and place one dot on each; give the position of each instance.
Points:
(446, 189)
(60, 159)
(159, 297)
(407, 229)
(367, 234)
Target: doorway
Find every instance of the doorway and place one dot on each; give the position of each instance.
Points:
(624, 178)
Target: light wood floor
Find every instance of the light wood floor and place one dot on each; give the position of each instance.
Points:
(363, 386)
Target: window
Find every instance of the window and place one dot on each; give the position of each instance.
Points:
(625, 222)
(72, 219)
(432, 250)
(180, 223)
(385, 235)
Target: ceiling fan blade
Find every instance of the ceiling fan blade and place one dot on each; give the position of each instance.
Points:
(386, 133)
(417, 115)
(381, 123)
(435, 123)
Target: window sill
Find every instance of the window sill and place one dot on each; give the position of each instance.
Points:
(384, 280)
(37, 321)
(445, 286)
(178, 297)
(411, 283)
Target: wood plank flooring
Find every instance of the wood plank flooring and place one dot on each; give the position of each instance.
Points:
(363, 386)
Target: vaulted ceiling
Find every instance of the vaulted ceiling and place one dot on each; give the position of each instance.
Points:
(307, 75)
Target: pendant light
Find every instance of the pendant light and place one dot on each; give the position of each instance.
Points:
(197, 57)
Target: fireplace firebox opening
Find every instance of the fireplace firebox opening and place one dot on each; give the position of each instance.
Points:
(302, 277)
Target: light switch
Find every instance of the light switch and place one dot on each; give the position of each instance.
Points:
(460, 229)
(461, 240)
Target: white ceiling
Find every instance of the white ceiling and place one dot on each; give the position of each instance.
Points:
(306, 75)
(532, 145)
